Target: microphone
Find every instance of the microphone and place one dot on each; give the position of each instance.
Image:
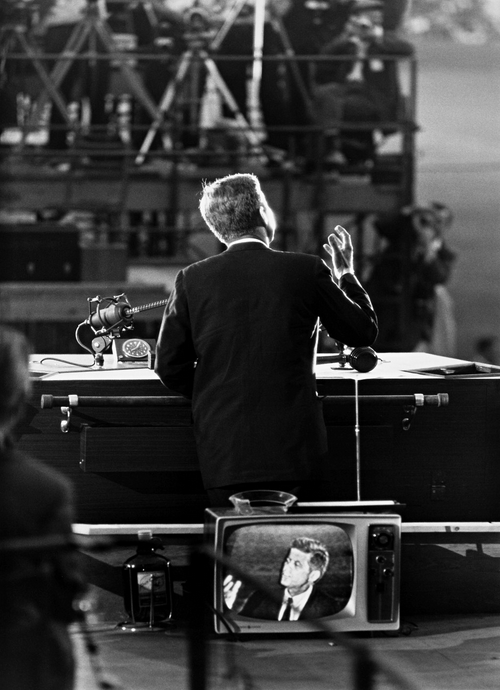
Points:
(362, 359)
(107, 321)
(118, 312)
(112, 315)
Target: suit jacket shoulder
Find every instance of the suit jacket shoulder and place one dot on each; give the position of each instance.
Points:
(319, 605)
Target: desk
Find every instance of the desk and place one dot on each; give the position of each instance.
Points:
(139, 465)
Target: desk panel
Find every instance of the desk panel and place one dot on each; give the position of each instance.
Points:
(443, 463)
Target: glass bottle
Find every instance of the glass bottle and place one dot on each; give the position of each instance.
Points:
(147, 585)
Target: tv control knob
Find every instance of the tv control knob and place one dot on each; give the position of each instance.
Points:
(384, 539)
(388, 572)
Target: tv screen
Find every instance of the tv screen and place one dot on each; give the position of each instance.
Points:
(282, 572)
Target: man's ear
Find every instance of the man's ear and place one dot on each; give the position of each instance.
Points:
(314, 576)
(263, 215)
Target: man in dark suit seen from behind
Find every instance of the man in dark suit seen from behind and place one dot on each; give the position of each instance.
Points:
(239, 337)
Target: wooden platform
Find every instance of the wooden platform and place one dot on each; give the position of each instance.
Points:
(27, 186)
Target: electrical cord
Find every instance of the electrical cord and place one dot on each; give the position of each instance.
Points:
(65, 361)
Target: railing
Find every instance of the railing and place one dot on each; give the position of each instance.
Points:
(50, 401)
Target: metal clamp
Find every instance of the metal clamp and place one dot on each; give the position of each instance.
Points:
(411, 411)
(66, 413)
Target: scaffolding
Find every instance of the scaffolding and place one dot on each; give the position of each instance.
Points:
(150, 195)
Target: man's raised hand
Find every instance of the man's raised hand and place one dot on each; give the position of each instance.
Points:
(340, 249)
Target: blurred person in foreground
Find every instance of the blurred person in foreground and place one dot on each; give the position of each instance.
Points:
(40, 576)
(239, 337)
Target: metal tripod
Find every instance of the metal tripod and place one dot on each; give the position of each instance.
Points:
(199, 52)
(16, 35)
(197, 55)
(94, 29)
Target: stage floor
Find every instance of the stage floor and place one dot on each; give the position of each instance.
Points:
(441, 653)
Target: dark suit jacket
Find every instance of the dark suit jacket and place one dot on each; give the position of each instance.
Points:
(239, 337)
(38, 588)
(318, 605)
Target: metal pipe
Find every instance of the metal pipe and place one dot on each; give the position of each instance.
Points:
(356, 434)
(48, 401)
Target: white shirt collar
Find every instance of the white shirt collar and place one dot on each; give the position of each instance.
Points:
(299, 601)
(248, 239)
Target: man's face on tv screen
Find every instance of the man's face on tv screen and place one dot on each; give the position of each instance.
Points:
(296, 573)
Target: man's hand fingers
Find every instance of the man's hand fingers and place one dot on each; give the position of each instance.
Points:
(348, 241)
(339, 236)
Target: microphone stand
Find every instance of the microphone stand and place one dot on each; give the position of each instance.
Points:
(110, 321)
(356, 436)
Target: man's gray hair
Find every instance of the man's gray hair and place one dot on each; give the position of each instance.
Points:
(230, 206)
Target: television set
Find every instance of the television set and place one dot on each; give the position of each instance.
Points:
(357, 591)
